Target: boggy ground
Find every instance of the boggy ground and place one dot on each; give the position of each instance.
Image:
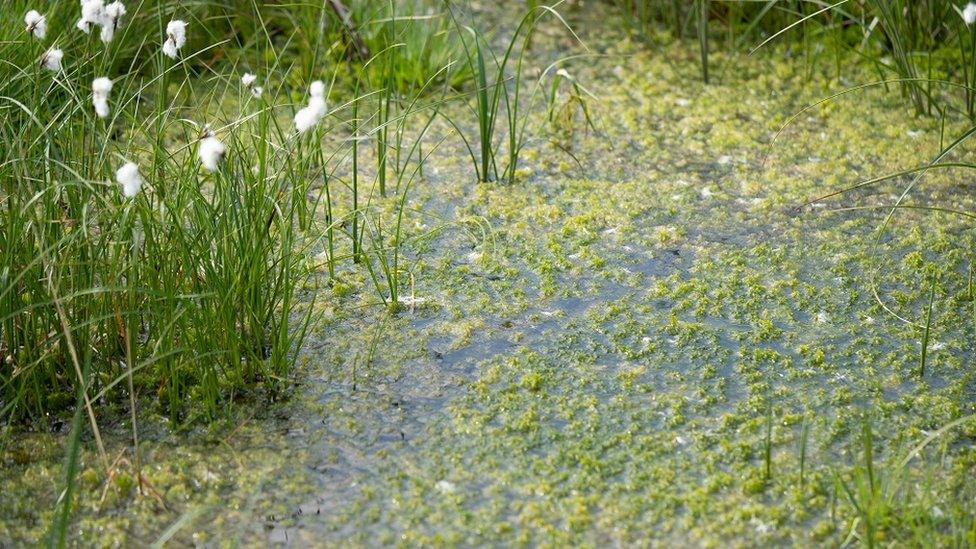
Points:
(600, 352)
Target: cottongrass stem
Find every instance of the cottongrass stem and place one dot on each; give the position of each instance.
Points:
(101, 88)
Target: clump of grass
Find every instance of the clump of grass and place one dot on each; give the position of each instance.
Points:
(179, 281)
(913, 30)
(359, 31)
(408, 158)
(912, 40)
(499, 86)
(743, 22)
(892, 505)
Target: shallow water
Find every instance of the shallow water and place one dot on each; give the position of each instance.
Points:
(594, 354)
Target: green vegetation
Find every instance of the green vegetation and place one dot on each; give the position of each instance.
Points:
(923, 46)
(444, 273)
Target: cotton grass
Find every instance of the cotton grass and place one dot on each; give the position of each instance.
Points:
(51, 60)
(92, 13)
(130, 179)
(211, 150)
(308, 117)
(36, 24)
(175, 38)
(969, 13)
(248, 81)
(222, 311)
(101, 88)
(111, 18)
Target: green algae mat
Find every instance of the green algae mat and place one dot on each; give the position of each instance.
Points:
(648, 340)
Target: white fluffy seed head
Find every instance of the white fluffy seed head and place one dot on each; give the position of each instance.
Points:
(176, 29)
(92, 13)
(101, 88)
(51, 60)
(248, 79)
(317, 89)
(969, 13)
(175, 38)
(310, 116)
(256, 91)
(101, 107)
(129, 177)
(115, 11)
(110, 20)
(92, 9)
(169, 49)
(36, 24)
(32, 18)
(211, 151)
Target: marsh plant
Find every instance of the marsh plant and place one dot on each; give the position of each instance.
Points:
(887, 495)
(499, 75)
(182, 184)
(156, 231)
(156, 234)
(150, 246)
(911, 41)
